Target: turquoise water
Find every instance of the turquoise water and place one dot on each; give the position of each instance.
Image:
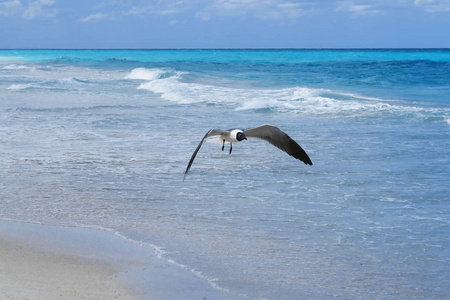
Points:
(101, 138)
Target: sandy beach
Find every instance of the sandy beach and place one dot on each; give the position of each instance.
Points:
(35, 264)
(53, 262)
(28, 273)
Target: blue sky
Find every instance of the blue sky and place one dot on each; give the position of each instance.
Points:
(224, 24)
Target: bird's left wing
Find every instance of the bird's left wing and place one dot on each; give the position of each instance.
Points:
(279, 139)
(212, 132)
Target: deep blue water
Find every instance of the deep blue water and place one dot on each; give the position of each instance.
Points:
(101, 138)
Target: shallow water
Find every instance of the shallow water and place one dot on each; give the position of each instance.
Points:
(91, 139)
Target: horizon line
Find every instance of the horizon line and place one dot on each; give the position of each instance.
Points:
(256, 48)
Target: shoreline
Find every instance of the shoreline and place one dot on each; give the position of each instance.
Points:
(46, 262)
(53, 262)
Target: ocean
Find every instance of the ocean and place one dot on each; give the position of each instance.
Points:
(101, 139)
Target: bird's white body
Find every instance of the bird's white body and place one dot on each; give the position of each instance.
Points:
(227, 136)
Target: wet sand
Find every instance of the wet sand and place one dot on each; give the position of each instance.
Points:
(53, 262)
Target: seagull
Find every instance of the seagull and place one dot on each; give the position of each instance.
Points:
(270, 133)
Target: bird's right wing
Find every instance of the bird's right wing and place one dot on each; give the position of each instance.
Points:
(212, 132)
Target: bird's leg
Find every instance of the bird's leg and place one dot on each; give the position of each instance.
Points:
(231, 147)
(223, 145)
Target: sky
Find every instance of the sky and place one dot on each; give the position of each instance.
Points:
(156, 24)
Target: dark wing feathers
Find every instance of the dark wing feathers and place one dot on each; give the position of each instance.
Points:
(212, 132)
(270, 133)
(279, 139)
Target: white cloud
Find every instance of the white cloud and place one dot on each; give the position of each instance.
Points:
(140, 10)
(40, 9)
(433, 6)
(171, 8)
(94, 17)
(112, 4)
(356, 8)
(9, 7)
(261, 9)
(10, 4)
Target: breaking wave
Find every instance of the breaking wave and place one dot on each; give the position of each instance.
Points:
(145, 74)
(17, 67)
(179, 87)
(48, 84)
(22, 86)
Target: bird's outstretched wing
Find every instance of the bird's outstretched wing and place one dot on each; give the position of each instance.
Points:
(212, 132)
(279, 139)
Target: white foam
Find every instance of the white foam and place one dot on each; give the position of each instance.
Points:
(22, 86)
(172, 89)
(296, 99)
(17, 67)
(145, 74)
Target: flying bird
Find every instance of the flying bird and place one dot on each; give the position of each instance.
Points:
(270, 133)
